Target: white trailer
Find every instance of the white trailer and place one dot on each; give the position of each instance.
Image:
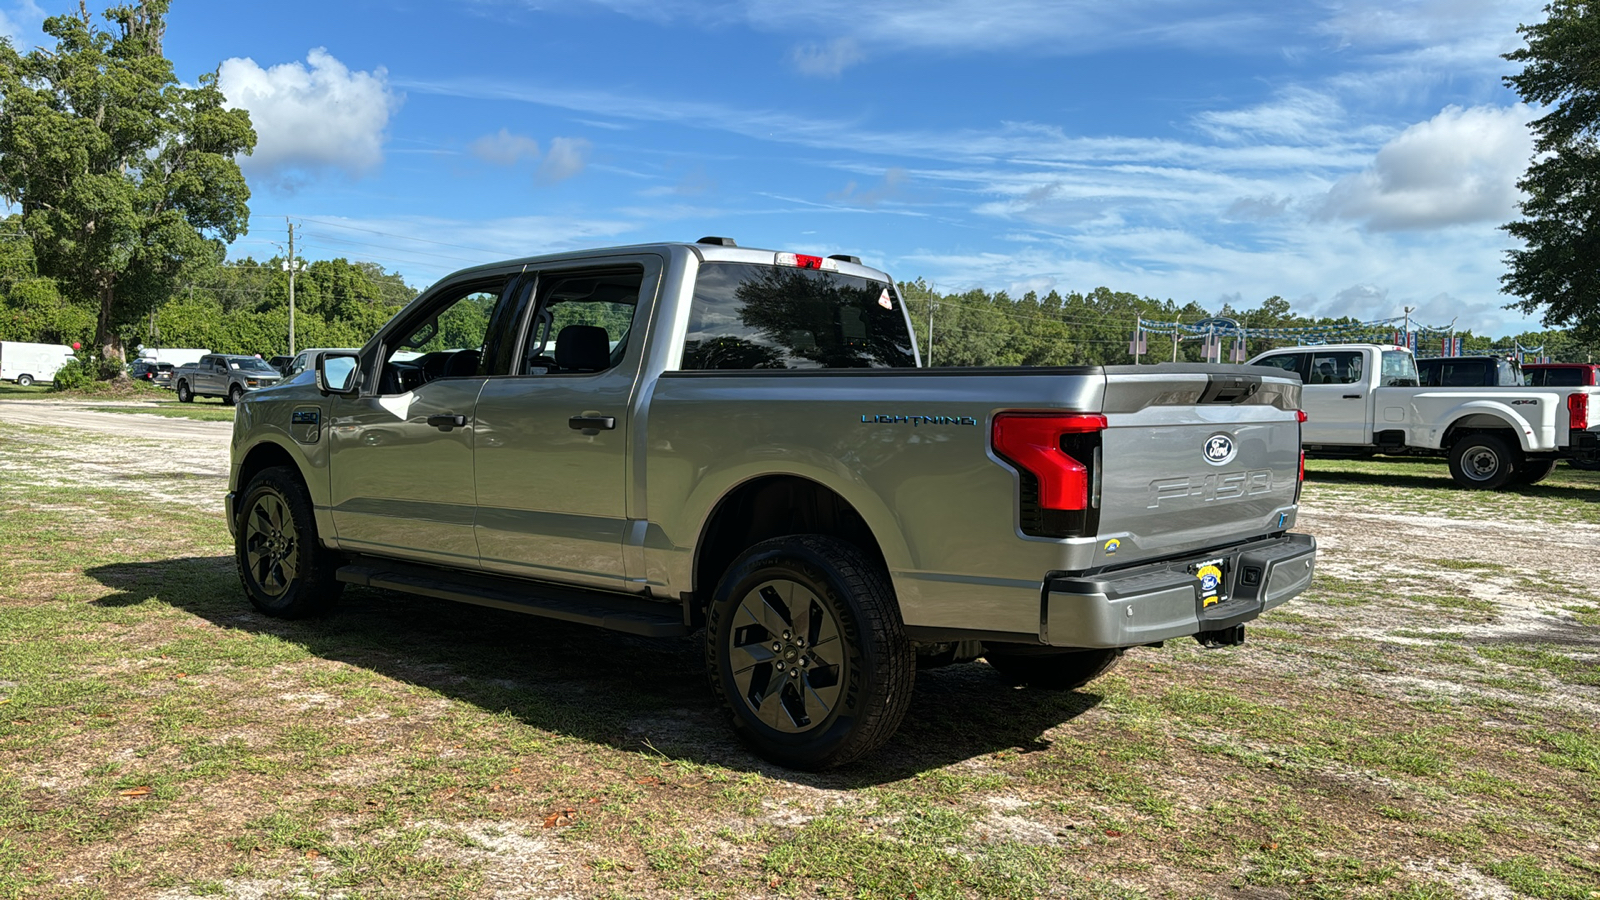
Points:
(26, 363)
(178, 356)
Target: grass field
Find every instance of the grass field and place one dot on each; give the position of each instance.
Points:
(1421, 724)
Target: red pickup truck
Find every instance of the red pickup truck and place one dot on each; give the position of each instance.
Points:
(1561, 374)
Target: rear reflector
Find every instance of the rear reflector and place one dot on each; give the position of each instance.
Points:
(1578, 411)
(1033, 443)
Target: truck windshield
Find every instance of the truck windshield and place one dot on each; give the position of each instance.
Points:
(748, 316)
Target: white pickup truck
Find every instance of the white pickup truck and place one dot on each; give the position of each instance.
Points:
(1364, 399)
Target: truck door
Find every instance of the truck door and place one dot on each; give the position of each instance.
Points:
(1336, 398)
(552, 456)
(400, 459)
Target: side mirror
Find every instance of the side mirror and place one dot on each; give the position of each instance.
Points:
(338, 373)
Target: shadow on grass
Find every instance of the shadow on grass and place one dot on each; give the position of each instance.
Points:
(630, 693)
(1397, 479)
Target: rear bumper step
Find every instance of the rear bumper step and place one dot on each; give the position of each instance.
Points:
(612, 611)
(1160, 601)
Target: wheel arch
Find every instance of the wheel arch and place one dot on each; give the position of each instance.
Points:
(265, 455)
(1487, 416)
(769, 506)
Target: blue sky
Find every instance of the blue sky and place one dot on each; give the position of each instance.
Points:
(1353, 157)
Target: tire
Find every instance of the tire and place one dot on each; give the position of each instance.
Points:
(1482, 461)
(233, 395)
(1533, 471)
(285, 570)
(24, 381)
(831, 613)
(1055, 670)
(185, 395)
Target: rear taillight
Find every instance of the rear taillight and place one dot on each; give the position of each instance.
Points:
(1056, 456)
(1578, 411)
(804, 261)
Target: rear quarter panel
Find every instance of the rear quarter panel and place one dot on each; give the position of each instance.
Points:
(944, 510)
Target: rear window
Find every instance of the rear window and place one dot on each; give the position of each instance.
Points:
(1399, 369)
(748, 316)
(1556, 377)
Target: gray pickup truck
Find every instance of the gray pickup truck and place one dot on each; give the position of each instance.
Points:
(669, 437)
(223, 375)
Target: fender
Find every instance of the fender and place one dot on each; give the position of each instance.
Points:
(1532, 436)
(713, 487)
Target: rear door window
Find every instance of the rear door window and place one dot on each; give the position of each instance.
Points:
(750, 316)
(1342, 367)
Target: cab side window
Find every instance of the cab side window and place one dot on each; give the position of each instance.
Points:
(582, 322)
(1289, 362)
(1335, 368)
(445, 340)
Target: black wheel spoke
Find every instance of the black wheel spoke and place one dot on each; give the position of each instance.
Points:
(743, 657)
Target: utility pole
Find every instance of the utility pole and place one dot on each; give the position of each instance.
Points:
(291, 266)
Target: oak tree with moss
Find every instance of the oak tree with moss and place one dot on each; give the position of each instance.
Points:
(126, 177)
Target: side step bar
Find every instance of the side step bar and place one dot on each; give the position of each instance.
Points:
(614, 611)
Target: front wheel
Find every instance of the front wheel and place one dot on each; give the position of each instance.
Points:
(1055, 670)
(24, 381)
(285, 570)
(185, 395)
(1482, 462)
(806, 650)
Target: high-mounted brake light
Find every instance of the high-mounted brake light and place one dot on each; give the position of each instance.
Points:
(801, 260)
(1578, 411)
(1033, 443)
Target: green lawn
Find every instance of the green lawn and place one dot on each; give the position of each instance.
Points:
(160, 739)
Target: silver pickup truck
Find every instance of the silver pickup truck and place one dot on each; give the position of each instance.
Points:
(224, 375)
(664, 438)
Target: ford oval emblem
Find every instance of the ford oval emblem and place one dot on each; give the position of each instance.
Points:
(1220, 450)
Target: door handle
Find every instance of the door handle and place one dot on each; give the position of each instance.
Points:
(599, 423)
(447, 421)
(1352, 396)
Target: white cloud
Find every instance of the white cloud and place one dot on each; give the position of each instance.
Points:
(827, 60)
(566, 158)
(1459, 166)
(311, 119)
(21, 22)
(504, 148)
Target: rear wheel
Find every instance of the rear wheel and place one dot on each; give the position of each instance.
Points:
(1533, 471)
(24, 380)
(1482, 461)
(285, 570)
(1056, 670)
(185, 395)
(806, 650)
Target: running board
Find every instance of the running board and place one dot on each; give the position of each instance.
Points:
(613, 611)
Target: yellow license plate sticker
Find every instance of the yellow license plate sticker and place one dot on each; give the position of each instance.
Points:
(1210, 576)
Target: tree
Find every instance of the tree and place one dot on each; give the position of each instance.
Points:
(126, 178)
(1559, 268)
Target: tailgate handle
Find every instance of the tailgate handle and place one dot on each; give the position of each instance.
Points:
(447, 421)
(1230, 388)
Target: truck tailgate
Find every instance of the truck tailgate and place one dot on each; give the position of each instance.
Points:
(1195, 457)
